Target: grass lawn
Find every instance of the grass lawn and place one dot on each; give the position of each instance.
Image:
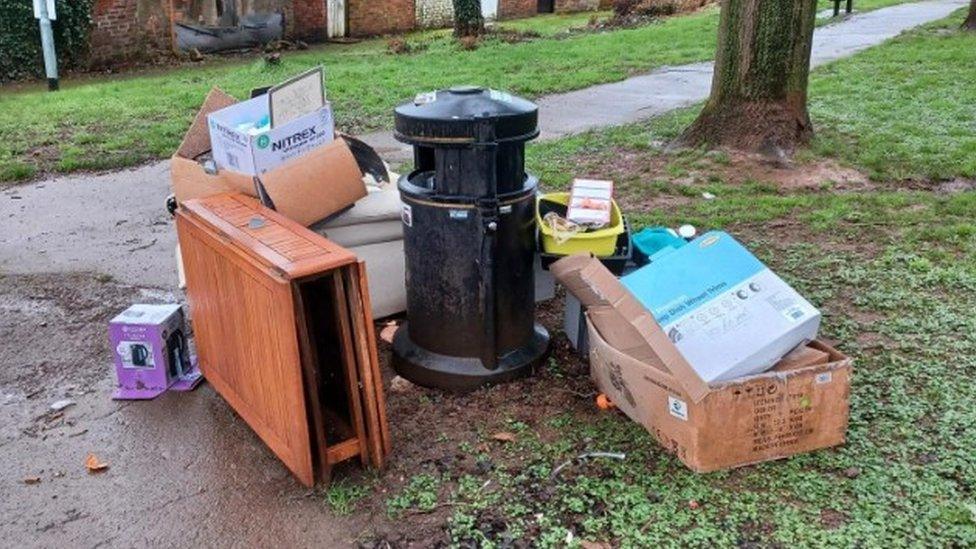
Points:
(124, 121)
(96, 124)
(890, 263)
(904, 110)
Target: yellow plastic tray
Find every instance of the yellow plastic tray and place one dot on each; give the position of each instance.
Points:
(602, 242)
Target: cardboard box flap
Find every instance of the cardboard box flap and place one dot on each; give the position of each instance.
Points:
(197, 139)
(190, 181)
(631, 325)
(315, 185)
(622, 335)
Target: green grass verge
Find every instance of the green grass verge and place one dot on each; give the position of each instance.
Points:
(904, 110)
(124, 121)
(105, 123)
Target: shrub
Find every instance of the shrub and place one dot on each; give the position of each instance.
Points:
(20, 37)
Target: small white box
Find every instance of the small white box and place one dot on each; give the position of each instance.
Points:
(242, 152)
(590, 202)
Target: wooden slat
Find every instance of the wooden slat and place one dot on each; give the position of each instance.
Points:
(374, 358)
(310, 361)
(366, 370)
(349, 365)
(346, 449)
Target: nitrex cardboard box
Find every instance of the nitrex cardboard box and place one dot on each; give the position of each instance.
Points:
(249, 154)
(726, 312)
(306, 189)
(796, 408)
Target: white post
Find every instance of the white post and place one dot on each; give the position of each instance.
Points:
(47, 44)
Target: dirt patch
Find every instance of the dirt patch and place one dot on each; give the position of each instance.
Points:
(428, 427)
(53, 329)
(831, 519)
(957, 185)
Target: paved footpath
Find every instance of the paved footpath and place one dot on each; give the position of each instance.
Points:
(116, 224)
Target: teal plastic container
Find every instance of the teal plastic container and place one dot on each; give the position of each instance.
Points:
(654, 242)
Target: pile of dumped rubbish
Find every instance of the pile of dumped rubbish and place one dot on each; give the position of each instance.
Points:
(294, 239)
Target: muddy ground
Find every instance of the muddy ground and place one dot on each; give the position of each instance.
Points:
(184, 469)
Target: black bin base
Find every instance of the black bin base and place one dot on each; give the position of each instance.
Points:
(464, 374)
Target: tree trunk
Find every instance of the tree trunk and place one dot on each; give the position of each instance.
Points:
(467, 18)
(758, 100)
(970, 23)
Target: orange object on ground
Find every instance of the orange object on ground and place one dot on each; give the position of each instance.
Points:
(604, 403)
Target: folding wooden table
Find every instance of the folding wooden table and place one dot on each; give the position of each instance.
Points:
(283, 330)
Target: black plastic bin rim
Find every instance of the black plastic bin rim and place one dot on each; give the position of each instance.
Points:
(409, 190)
(461, 142)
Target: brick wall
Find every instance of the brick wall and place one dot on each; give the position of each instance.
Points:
(432, 14)
(130, 30)
(307, 20)
(513, 9)
(563, 6)
(371, 17)
(127, 30)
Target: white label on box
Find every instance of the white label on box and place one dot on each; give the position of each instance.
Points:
(723, 328)
(824, 377)
(406, 214)
(678, 408)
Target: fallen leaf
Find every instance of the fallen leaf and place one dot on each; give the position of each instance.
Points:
(504, 436)
(585, 544)
(95, 465)
(693, 504)
(32, 480)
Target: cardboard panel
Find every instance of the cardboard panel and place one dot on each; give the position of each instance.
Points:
(197, 138)
(316, 185)
(595, 286)
(774, 415)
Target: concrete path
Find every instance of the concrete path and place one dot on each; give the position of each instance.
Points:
(116, 224)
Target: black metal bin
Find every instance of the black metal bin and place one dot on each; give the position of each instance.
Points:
(469, 239)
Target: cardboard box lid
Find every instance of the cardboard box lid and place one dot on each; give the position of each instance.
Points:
(197, 138)
(623, 322)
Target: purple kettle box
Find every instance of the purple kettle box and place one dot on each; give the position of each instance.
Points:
(151, 352)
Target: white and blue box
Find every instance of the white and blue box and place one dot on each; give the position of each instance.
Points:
(726, 312)
(239, 150)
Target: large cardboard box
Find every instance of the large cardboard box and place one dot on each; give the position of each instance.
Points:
(306, 189)
(796, 408)
(726, 312)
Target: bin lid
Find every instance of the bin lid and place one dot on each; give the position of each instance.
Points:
(452, 115)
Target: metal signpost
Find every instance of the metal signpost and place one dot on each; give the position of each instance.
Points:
(45, 13)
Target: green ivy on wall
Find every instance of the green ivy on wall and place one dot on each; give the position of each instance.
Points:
(20, 37)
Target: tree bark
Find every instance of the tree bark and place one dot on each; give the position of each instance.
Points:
(467, 18)
(758, 100)
(970, 22)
